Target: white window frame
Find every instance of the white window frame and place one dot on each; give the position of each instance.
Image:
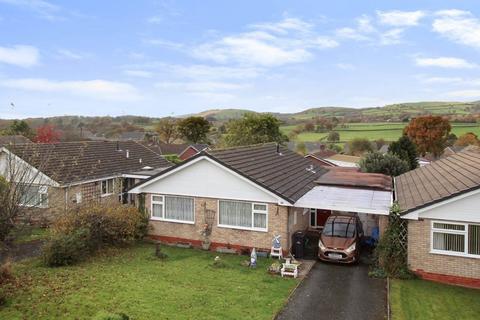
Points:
(107, 193)
(446, 231)
(155, 218)
(42, 190)
(265, 212)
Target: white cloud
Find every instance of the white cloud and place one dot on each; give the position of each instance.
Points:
(207, 86)
(68, 54)
(458, 26)
(284, 26)
(441, 80)
(155, 19)
(96, 89)
(351, 33)
(212, 91)
(138, 73)
(392, 36)
(206, 72)
(444, 62)
(465, 94)
(268, 44)
(163, 43)
(345, 66)
(43, 8)
(398, 18)
(20, 55)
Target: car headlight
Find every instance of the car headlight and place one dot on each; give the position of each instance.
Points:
(351, 248)
(321, 245)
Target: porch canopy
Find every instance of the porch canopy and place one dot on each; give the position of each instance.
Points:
(361, 200)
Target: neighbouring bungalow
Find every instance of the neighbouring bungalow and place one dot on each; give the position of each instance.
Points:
(60, 175)
(319, 157)
(441, 203)
(242, 197)
(182, 150)
(328, 158)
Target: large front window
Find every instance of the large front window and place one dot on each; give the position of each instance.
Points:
(172, 208)
(242, 215)
(456, 238)
(34, 196)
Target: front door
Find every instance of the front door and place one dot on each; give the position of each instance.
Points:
(318, 217)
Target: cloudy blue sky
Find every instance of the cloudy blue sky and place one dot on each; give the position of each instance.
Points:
(158, 58)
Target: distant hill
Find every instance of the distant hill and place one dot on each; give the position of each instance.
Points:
(108, 126)
(393, 112)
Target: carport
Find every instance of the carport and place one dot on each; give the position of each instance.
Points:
(349, 191)
(367, 203)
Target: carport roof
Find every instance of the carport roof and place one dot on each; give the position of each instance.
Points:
(347, 199)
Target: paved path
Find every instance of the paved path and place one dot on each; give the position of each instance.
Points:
(337, 292)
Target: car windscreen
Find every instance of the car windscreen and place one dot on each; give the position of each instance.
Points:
(339, 229)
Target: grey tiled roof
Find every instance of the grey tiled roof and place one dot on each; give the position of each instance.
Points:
(438, 181)
(286, 173)
(69, 162)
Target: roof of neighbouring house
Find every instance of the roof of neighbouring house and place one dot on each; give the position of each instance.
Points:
(344, 158)
(15, 139)
(440, 180)
(71, 162)
(323, 154)
(132, 135)
(351, 177)
(286, 173)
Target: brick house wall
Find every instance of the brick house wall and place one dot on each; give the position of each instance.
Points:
(439, 267)
(221, 236)
(188, 153)
(60, 199)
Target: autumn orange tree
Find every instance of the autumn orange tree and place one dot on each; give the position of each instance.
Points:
(429, 133)
(467, 139)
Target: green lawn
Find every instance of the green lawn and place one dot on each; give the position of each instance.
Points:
(133, 281)
(373, 131)
(418, 299)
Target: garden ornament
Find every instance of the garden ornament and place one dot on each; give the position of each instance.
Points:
(253, 258)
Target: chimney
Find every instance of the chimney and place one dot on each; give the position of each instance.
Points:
(118, 146)
(278, 148)
(127, 153)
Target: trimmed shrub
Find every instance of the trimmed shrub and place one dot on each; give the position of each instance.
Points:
(86, 229)
(67, 249)
(108, 224)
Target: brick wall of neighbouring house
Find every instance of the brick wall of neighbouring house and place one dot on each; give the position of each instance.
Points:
(62, 199)
(459, 270)
(221, 236)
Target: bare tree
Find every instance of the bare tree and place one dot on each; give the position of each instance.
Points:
(22, 189)
(167, 129)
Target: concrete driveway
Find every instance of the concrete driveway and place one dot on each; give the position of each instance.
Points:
(332, 291)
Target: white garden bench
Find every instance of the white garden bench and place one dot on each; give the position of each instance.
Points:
(289, 269)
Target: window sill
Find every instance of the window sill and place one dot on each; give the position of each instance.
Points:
(242, 228)
(455, 254)
(106, 195)
(171, 220)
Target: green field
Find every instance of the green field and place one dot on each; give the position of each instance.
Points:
(374, 131)
(418, 299)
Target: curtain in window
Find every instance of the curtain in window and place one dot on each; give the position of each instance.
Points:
(260, 220)
(179, 208)
(474, 239)
(235, 213)
(449, 242)
(157, 210)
